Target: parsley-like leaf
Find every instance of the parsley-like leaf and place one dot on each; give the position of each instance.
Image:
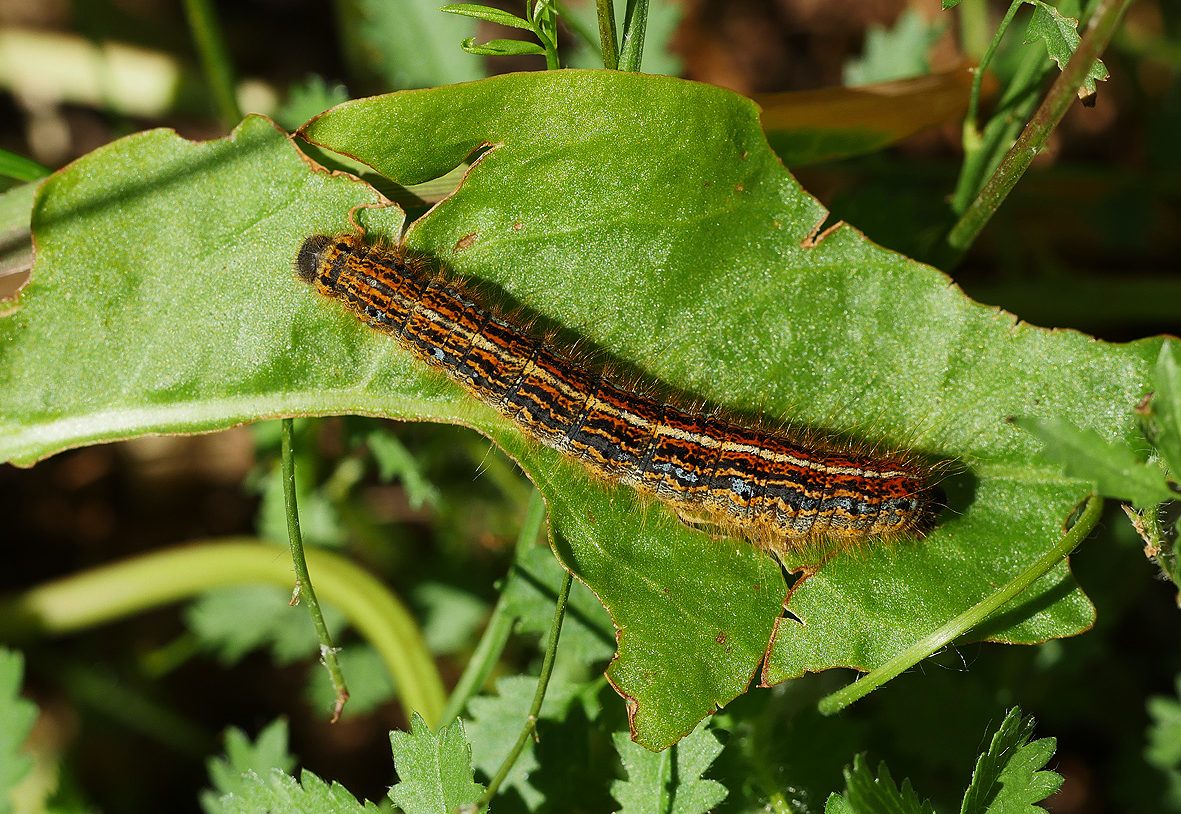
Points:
(866, 794)
(669, 782)
(244, 759)
(587, 633)
(435, 769)
(235, 620)
(1008, 778)
(395, 461)
(276, 791)
(899, 52)
(1060, 34)
(496, 721)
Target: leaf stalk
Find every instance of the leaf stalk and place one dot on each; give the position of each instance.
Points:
(607, 35)
(1033, 139)
(635, 21)
(547, 669)
(303, 578)
(967, 620)
(972, 136)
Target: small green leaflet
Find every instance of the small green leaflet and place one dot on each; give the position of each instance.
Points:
(16, 719)
(501, 48)
(1115, 469)
(492, 15)
(1060, 34)
(1008, 778)
(395, 461)
(435, 769)
(216, 618)
(496, 48)
(245, 762)
(276, 791)
(668, 782)
(866, 794)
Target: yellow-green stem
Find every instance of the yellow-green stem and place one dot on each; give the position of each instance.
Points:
(143, 583)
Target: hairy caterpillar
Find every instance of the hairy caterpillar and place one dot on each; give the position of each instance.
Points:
(773, 488)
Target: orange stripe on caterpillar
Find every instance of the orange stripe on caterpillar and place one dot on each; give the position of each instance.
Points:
(770, 487)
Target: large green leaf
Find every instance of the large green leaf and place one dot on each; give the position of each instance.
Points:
(646, 216)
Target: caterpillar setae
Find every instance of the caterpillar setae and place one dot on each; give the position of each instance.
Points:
(781, 490)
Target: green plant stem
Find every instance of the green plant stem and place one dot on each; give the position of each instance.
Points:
(549, 26)
(215, 59)
(971, 136)
(142, 583)
(631, 52)
(544, 20)
(500, 623)
(551, 57)
(1033, 139)
(607, 35)
(547, 669)
(20, 168)
(304, 590)
(967, 620)
(1016, 105)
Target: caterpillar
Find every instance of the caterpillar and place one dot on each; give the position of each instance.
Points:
(777, 489)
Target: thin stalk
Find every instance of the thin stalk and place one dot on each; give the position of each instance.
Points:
(123, 589)
(215, 59)
(607, 35)
(635, 22)
(543, 18)
(1033, 139)
(551, 57)
(303, 578)
(1015, 106)
(500, 623)
(971, 135)
(547, 669)
(967, 620)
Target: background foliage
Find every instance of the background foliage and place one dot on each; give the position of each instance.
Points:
(162, 301)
